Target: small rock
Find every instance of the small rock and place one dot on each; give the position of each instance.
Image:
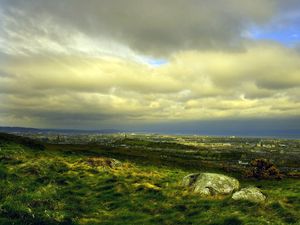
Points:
(252, 194)
(102, 161)
(115, 163)
(210, 184)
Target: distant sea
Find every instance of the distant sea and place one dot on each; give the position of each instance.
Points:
(292, 134)
(259, 133)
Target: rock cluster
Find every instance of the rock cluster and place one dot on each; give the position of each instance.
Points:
(213, 184)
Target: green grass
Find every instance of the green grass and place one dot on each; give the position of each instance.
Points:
(56, 187)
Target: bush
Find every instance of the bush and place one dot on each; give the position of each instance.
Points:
(263, 169)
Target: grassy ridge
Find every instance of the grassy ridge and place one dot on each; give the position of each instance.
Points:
(75, 187)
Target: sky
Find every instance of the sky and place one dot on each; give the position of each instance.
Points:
(159, 65)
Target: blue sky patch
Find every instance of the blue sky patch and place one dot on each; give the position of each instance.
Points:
(284, 29)
(156, 62)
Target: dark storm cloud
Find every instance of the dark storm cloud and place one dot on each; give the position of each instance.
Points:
(154, 27)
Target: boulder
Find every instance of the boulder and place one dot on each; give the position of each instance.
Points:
(252, 194)
(211, 184)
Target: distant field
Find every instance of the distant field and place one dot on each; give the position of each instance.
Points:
(75, 185)
(209, 153)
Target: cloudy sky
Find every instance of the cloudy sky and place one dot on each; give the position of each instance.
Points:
(141, 64)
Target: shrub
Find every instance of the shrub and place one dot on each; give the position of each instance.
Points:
(263, 169)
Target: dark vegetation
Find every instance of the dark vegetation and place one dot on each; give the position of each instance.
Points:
(28, 142)
(263, 169)
(73, 184)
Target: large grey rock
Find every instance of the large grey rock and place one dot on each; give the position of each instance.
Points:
(210, 184)
(252, 194)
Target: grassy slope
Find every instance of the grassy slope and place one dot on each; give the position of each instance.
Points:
(51, 187)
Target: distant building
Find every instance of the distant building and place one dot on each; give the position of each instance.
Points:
(240, 162)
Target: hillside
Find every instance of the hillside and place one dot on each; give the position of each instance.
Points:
(41, 185)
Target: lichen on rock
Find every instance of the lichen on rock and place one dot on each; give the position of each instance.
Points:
(252, 194)
(210, 184)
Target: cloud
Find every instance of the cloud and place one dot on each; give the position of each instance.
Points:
(268, 66)
(150, 27)
(262, 81)
(123, 63)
